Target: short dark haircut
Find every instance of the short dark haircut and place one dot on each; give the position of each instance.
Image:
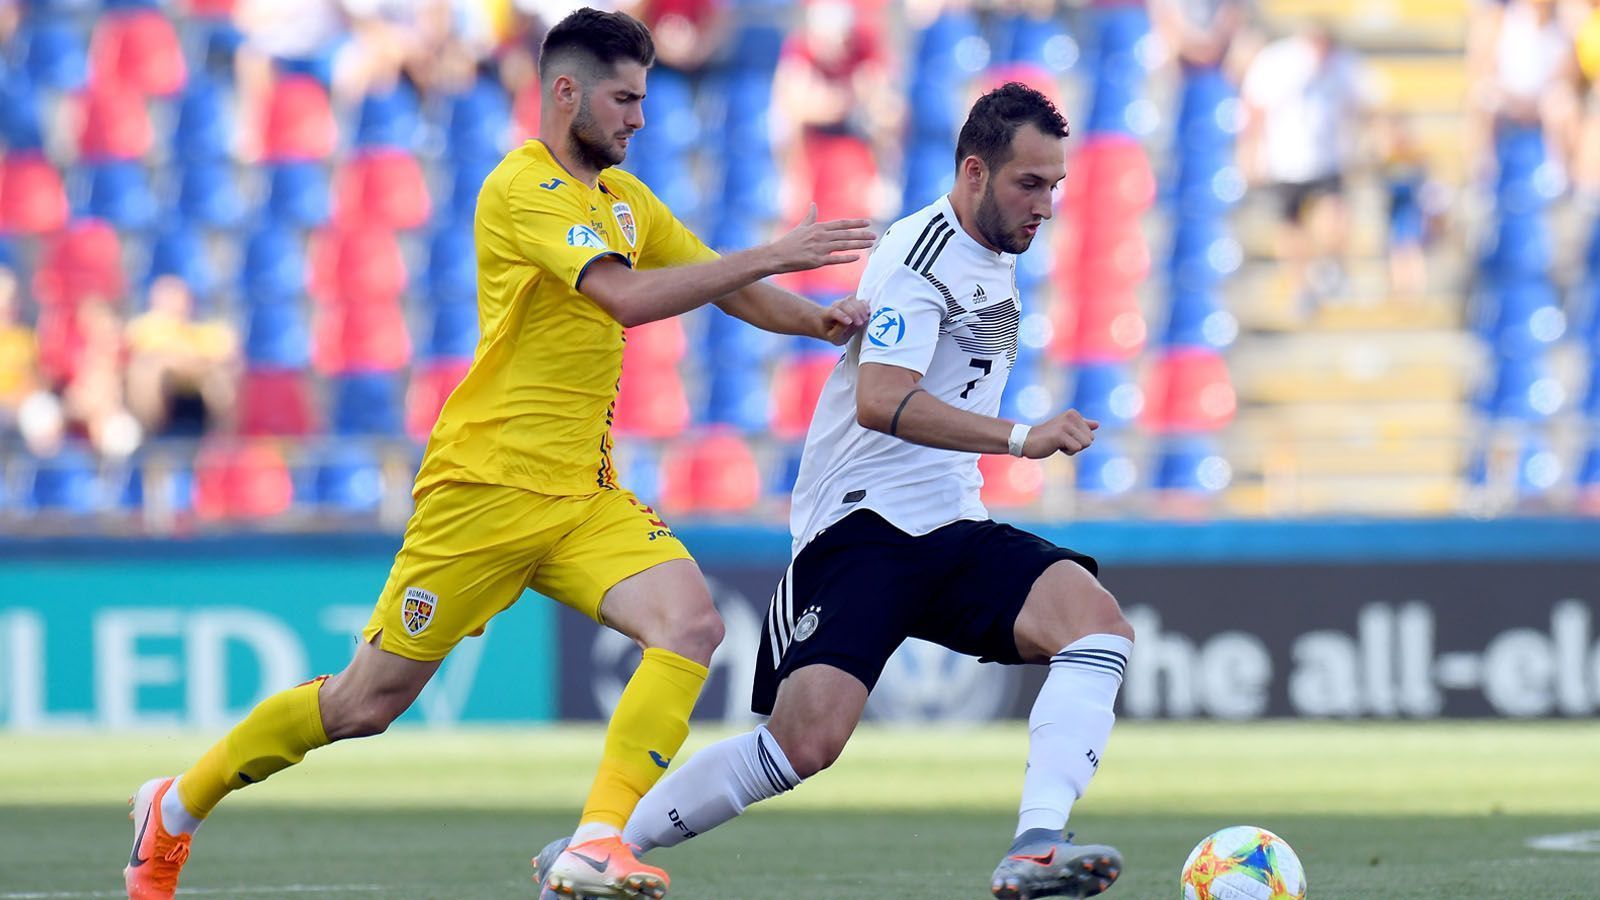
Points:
(997, 115)
(597, 41)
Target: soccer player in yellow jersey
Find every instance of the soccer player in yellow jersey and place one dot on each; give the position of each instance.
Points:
(517, 488)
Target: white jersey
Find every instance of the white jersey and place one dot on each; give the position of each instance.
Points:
(942, 305)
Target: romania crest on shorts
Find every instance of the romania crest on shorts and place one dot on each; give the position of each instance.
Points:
(416, 611)
(624, 214)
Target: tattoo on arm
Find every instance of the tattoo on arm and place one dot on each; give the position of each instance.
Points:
(894, 423)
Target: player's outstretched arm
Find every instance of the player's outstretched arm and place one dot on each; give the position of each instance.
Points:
(888, 399)
(634, 297)
(771, 308)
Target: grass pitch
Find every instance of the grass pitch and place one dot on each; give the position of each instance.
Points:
(1382, 811)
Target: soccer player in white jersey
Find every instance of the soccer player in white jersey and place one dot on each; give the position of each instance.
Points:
(891, 540)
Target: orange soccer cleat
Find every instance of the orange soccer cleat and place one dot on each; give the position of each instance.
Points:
(603, 868)
(157, 857)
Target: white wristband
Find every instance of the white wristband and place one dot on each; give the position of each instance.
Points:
(1019, 436)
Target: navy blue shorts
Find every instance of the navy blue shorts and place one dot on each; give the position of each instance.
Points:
(863, 586)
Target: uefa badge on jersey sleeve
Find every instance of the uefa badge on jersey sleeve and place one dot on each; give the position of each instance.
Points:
(416, 612)
(624, 214)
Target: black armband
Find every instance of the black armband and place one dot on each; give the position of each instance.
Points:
(894, 423)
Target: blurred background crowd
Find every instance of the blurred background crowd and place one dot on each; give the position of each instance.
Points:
(1312, 257)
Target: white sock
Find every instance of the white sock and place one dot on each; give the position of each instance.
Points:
(714, 786)
(175, 817)
(1069, 727)
(593, 831)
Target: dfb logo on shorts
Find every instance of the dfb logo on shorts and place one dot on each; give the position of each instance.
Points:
(807, 626)
(417, 610)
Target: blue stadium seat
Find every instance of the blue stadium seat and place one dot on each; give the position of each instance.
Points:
(8, 254)
(297, 194)
(120, 193)
(786, 473)
(736, 342)
(756, 47)
(1203, 253)
(1028, 396)
(1191, 464)
(1037, 41)
(1528, 317)
(209, 194)
(467, 174)
(736, 395)
(1197, 319)
(175, 486)
(219, 44)
(68, 482)
(1519, 150)
(202, 132)
(670, 177)
(1033, 269)
(952, 48)
(178, 249)
(1589, 470)
(672, 125)
(53, 54)
(1208, 111)
(1591, 397)
(747, 116)
(930, 173)
(452, 272)
(479, 120)
(455, 330)
(639, 469)
(751, 187)
(1106, 393)
(392, 118)
(1108, 470)
(276, 333)
(273, 264)
(367, 403)
(349, 480)
(20, 119)
(1523, 390)
(734, 231)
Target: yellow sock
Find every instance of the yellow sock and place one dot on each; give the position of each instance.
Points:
(277, 734)
(646, 731)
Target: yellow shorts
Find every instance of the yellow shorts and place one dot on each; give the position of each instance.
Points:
(471, 549)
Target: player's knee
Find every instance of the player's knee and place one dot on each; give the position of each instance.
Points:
(694, 633)
(346, 715)
(1096, 611)
(812, 752)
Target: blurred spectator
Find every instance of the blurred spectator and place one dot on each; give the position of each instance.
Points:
(1200, 33)
(688, 33)
(10, 15)
(93, 396)
(18, 353)
(1410, 197)
(1524, 71)
(181, 372)
(839, 114)
(1305, 99)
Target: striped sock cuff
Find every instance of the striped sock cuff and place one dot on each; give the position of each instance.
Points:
(774, 764)
(1097, 652)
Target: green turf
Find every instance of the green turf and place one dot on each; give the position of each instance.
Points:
(1383, 811)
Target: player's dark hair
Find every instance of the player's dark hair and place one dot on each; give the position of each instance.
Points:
(997, 115)
(598, 41)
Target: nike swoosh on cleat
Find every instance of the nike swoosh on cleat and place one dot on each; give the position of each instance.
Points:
(133, 858)
(597, 865)
(1043, 859)
(661, 761)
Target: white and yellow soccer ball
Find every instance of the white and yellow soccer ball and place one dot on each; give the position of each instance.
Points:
(1243, 863)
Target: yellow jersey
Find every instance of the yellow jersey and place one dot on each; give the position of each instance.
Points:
(534, 411)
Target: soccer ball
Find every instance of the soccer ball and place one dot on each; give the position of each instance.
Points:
(1243, 863)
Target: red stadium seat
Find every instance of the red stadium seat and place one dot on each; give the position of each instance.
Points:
(276, 402)
(1108, 327)
(115, 125)
(360, 337)
(659, 343)
(32, 199)
(1189, 392)
(652, 402)
(430, 387)
(1010, 482)
(357, 264)
(138, 48)
(1110, 179)
(210, 9)
(795, 389)
(382, 187)
(715, 474)
(1110, 257)
(242, 481)
(298, 122)
(525, 113)
(84, 260)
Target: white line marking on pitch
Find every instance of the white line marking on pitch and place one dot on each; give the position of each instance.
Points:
(196, 892)
(1572, 842)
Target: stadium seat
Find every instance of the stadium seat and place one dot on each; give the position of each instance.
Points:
(1528, 317)
(367, 403)
(454, 331)
(1028, 396)
(1112, 257)
(67, 483)
(525, 113)
(452, 272)
(714, 474)
(1522, 246)
(431, 385)
(1107, 393)
(32, 198)
(148, 486)
(203, 131)
(349, 480)
(116, 124)
(276, 333)
(276, 402)
(466, 179)
(1189, 392)
(1197, 319)
(1202, 255)
(658, 344)
(178, 249)
(52, 54)
(1524, 389)
(273, 263)
(1110, 178)
(651, 403)
(1107, 470)
(1106, 327)
(1190, 464)
(298, 121)
(21, 121)
(298, 194)
(242, 481)
(478, 120)
(1209, 115)
(83, 260)
(382, 187)
(1010, 482)
(1038, 41)
(755, 47)
(735, 396)
(208, 194)
(796, 386)
(360, 337)
(734, 341)
(120, 193)
(357, 264)
(390, 118)
(1589, 474)
(138, 48)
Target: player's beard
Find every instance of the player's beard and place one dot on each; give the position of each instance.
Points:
(992, 225)
(592, 145)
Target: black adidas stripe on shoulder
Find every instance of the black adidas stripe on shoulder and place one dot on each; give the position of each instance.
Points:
(929, 233)
(926, 268)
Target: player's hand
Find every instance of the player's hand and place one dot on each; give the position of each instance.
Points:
(1067, 433)
(843, 319)
(814, 244)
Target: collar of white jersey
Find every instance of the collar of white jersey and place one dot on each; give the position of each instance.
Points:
(965, 237)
